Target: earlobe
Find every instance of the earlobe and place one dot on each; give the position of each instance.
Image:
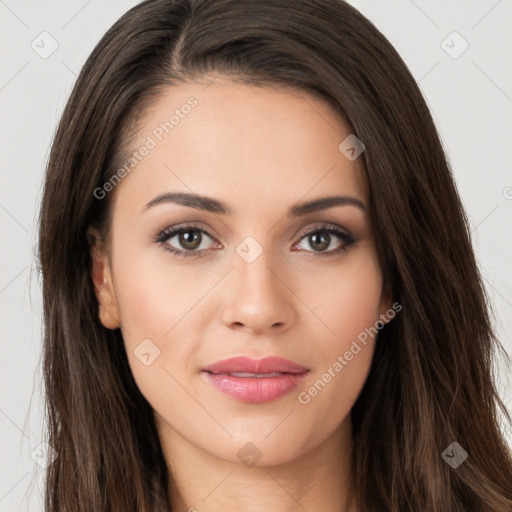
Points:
(102, 281)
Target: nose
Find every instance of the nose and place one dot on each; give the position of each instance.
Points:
(258, 298)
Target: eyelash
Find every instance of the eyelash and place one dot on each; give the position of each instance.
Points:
(164, 235)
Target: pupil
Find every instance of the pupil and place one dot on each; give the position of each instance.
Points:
(321, 241)
(190, 242)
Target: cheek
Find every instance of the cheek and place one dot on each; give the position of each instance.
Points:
(156, 310)
(156, 297)
(144, 311)
(345, 299)
(348, 304)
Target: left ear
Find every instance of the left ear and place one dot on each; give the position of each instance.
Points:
(101, 275)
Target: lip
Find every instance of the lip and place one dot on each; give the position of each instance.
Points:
(283, 376)
(247, 364)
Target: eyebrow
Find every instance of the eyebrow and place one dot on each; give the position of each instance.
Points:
(213, 206)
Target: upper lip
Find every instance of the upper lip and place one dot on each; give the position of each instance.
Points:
(258, 366)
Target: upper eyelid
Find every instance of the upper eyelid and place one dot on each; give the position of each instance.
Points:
(172, 232)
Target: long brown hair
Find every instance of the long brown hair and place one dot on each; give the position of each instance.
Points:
(432, 378)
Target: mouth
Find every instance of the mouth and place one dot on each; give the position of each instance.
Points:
(255, 380)
(253, 375)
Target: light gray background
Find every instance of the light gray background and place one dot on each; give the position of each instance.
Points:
(470, 98)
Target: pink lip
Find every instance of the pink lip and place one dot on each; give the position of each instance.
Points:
(255, 389)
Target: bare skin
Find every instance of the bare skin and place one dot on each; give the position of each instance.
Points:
(260, 151)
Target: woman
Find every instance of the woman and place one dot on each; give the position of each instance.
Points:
(259, 286)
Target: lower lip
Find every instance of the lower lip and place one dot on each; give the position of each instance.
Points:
(256, 390)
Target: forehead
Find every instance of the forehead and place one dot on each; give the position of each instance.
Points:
(233, 141)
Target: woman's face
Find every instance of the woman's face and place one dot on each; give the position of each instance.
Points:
(262, 277)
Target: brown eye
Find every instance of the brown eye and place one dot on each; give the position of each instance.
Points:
(190, 240)
(322, 241)
(319, 242)
(186, 240)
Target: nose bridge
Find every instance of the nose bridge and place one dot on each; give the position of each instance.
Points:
(258, 299)
(254, 266)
